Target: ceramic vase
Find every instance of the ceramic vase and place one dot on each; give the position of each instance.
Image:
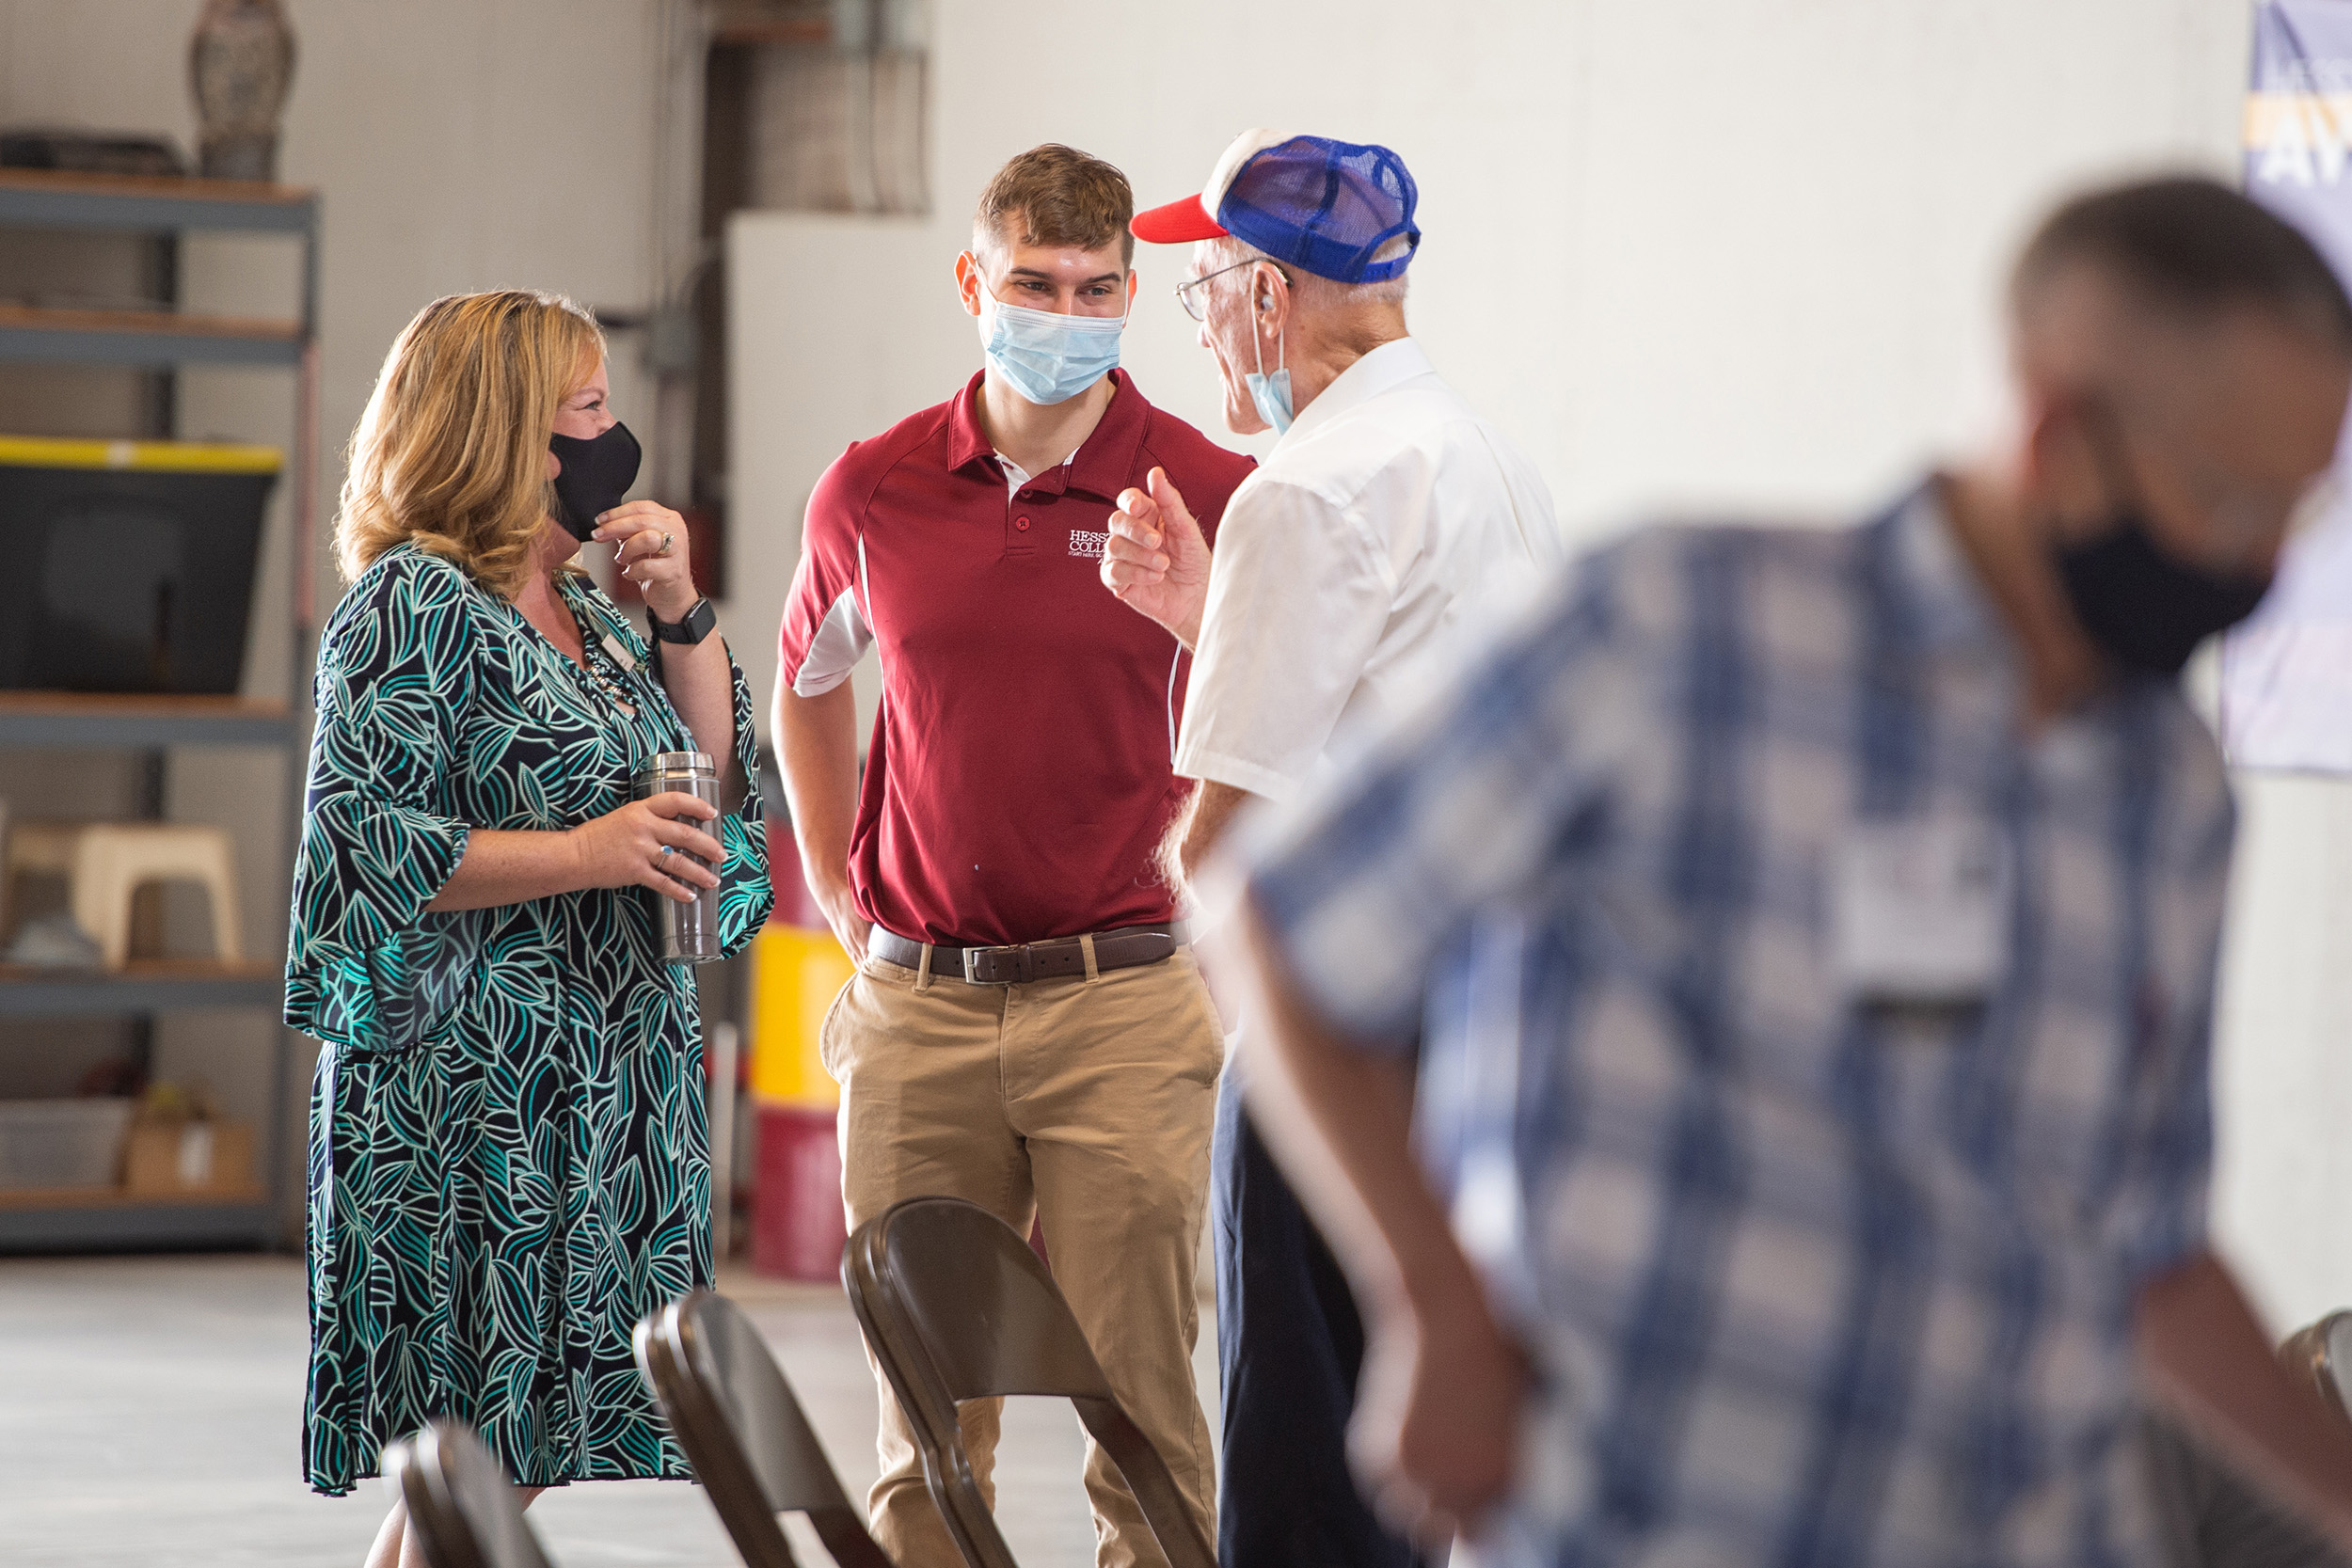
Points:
(240, 65)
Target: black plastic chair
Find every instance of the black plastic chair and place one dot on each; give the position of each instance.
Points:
(464, 1510)
(956, 1307)
(745, 1434)
(2320, 1356)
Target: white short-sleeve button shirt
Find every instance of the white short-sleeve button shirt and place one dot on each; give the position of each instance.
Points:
(1386, 515)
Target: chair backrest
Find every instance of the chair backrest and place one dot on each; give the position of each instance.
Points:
(464, 1510)
(2320, 1355)
(956, 1306)
(745, 1434)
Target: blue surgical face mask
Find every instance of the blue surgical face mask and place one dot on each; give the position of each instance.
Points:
(1271, 393)
(1045, 356)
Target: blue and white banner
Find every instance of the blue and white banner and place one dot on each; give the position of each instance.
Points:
(2286, 675)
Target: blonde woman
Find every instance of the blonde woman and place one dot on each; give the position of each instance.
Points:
(509, 1162)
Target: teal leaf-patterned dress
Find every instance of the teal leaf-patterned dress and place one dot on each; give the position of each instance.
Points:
(509, 1157)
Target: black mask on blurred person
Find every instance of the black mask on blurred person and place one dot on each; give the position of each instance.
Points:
(2147, 608)
(597, 474)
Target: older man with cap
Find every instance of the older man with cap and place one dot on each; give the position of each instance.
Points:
(1384, 514)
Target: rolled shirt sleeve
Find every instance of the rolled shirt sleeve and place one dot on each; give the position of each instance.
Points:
(1299, 593)
(366, 968)
(825, 630)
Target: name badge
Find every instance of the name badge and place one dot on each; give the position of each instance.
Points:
(621, 655)
(1920, 911)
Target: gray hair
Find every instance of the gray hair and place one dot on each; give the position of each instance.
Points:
(1228, 251)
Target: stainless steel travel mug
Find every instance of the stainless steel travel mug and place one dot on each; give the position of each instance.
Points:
(690, 932)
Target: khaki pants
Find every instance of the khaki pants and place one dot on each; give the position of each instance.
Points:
(1086, 1103)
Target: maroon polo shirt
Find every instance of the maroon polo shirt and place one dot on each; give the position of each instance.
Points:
(1019, 777)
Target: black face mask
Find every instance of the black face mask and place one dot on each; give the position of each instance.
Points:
(597, 474)
(2146, 608)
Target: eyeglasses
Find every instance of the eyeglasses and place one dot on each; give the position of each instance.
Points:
(1197, 306)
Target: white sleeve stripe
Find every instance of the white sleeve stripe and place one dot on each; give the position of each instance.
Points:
(840, 639)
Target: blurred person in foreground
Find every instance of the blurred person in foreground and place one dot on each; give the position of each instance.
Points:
(1026, 1028)
(1346, 564)
(1815, 937)
(510, 1162)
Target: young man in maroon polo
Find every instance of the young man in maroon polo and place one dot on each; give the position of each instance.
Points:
(1026, 1028)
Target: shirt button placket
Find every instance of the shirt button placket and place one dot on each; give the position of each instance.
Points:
(1017, 540)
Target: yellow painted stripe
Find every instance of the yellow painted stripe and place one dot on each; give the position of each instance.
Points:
(180, 457)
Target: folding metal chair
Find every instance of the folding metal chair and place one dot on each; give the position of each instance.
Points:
(2320, 1355)
(464, 1512)
(956, 1307)
(745, 1434)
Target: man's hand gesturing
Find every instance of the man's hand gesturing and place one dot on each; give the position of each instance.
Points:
(1156, 560)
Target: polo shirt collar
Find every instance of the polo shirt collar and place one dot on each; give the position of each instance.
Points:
(1383, 369)
(1103, 465)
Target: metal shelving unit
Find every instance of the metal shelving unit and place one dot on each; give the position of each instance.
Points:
(167, 340)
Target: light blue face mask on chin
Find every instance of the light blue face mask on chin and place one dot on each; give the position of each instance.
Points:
(1044, 356)
(1271, 393)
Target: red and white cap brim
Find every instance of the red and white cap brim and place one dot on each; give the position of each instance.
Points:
(1195, 216)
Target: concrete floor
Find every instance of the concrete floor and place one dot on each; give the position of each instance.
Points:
(151, 1412)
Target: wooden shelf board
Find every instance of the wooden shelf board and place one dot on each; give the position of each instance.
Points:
(145, 986)
(140, 719)
(807, 30)
(140, 705)
(168, 324)
(141, 970)
(178, 187)
(117, 1197)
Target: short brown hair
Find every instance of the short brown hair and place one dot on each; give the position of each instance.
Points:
(1063, 198)
(2188, 247)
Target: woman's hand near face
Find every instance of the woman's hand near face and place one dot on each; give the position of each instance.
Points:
(625, 848)
(650, 549)
(699, 678)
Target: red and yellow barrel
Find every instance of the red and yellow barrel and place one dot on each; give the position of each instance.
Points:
(797, 969)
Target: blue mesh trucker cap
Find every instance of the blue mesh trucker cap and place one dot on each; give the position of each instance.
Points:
(1336, 208)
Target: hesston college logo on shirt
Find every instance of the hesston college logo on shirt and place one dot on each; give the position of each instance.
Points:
(1083, 542)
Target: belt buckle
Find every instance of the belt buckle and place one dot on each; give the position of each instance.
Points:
(971, 967)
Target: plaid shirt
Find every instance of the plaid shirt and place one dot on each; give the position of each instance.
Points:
(1810, 1280)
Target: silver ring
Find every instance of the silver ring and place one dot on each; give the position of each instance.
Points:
(666, 545)
(669, 850)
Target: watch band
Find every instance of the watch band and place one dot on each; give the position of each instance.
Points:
(691, 629)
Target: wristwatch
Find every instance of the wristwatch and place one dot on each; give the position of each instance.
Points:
(691, 629)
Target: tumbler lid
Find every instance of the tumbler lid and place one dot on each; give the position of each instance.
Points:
(682, 762)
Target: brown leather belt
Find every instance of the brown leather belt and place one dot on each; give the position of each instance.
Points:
(1124, 948)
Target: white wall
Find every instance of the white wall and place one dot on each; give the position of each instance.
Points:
(2283, 1201)
(1742, 255)
(457, 145)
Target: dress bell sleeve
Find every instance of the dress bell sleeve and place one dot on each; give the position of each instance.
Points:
(746, 893)
(366, 967)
